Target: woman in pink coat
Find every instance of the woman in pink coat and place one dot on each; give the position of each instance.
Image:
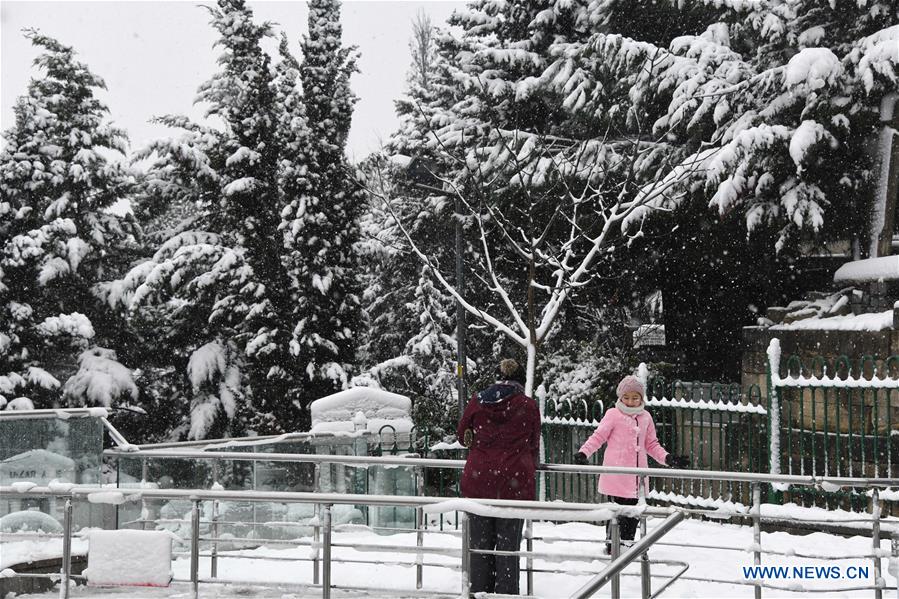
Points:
(630, 433)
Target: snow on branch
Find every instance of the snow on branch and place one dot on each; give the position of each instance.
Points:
(215, 376)
(101, 380)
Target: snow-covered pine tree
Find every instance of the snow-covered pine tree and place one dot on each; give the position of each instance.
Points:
(262, 271)
(775, 131)
(321, 223)
(57, 234)
(426, 80)
(424, 368)
(389, 300)
(244, 97)
(766, 116)
(217, 291)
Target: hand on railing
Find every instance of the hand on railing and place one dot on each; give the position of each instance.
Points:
(677, 461)
(580, 458)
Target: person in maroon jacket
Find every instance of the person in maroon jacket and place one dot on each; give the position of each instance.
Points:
(501, 428)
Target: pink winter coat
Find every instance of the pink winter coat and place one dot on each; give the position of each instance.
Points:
(629, 439)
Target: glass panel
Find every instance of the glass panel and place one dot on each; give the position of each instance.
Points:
(57, 447)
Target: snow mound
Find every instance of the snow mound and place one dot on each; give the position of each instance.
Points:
(129, 558)
(337, 413)
(20, 403)
(29, 521)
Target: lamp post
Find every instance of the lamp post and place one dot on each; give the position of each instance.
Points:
(421, 174)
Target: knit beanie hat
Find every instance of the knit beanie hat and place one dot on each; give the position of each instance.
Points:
(510, 370)
(631, 384)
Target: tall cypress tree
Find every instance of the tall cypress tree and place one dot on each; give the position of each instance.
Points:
(321, 224)
(217, 290)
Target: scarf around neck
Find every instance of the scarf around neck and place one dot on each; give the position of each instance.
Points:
(628, 410)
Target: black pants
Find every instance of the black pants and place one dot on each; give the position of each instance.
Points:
(494, 573)
(626, 526)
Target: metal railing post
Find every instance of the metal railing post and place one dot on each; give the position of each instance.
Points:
(419, 528)
(529, 562)
(316, 529)
(195, 549)
(645, 578)
(756, 513)
(466, 554)
(614, 553)
(216, 467)
(894, 551)
(875, 540)
(144, 509)
(66, 550)
(620, 562)
(255, 488)
(326, 551)
(214, 558)
(645, 581)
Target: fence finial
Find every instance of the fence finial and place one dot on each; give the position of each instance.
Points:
(774, 357)
(643, 374)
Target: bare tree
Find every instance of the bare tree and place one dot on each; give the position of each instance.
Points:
(576, 198)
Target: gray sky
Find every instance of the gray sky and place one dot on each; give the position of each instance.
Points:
(154, 54)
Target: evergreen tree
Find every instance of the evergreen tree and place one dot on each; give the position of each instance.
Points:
(215, 295)
(244, 96)
(321, 222)
(411, 345)
(252, 298)
(766, 117)
(58, 238)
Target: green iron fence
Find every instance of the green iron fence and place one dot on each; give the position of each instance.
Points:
(716, 425)
(566, 425)
(835, 417)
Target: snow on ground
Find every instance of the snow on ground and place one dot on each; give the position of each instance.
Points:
(16, 552)
(395, 570)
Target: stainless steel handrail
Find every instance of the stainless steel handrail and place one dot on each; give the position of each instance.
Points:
(458, 464)
(558, 508)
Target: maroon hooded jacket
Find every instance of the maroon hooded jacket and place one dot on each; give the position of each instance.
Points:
(505, 443)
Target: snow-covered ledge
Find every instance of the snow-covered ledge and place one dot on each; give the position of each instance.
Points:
(871, 270)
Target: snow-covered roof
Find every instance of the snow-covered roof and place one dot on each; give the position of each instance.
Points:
(885, 268)
(339, 412)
